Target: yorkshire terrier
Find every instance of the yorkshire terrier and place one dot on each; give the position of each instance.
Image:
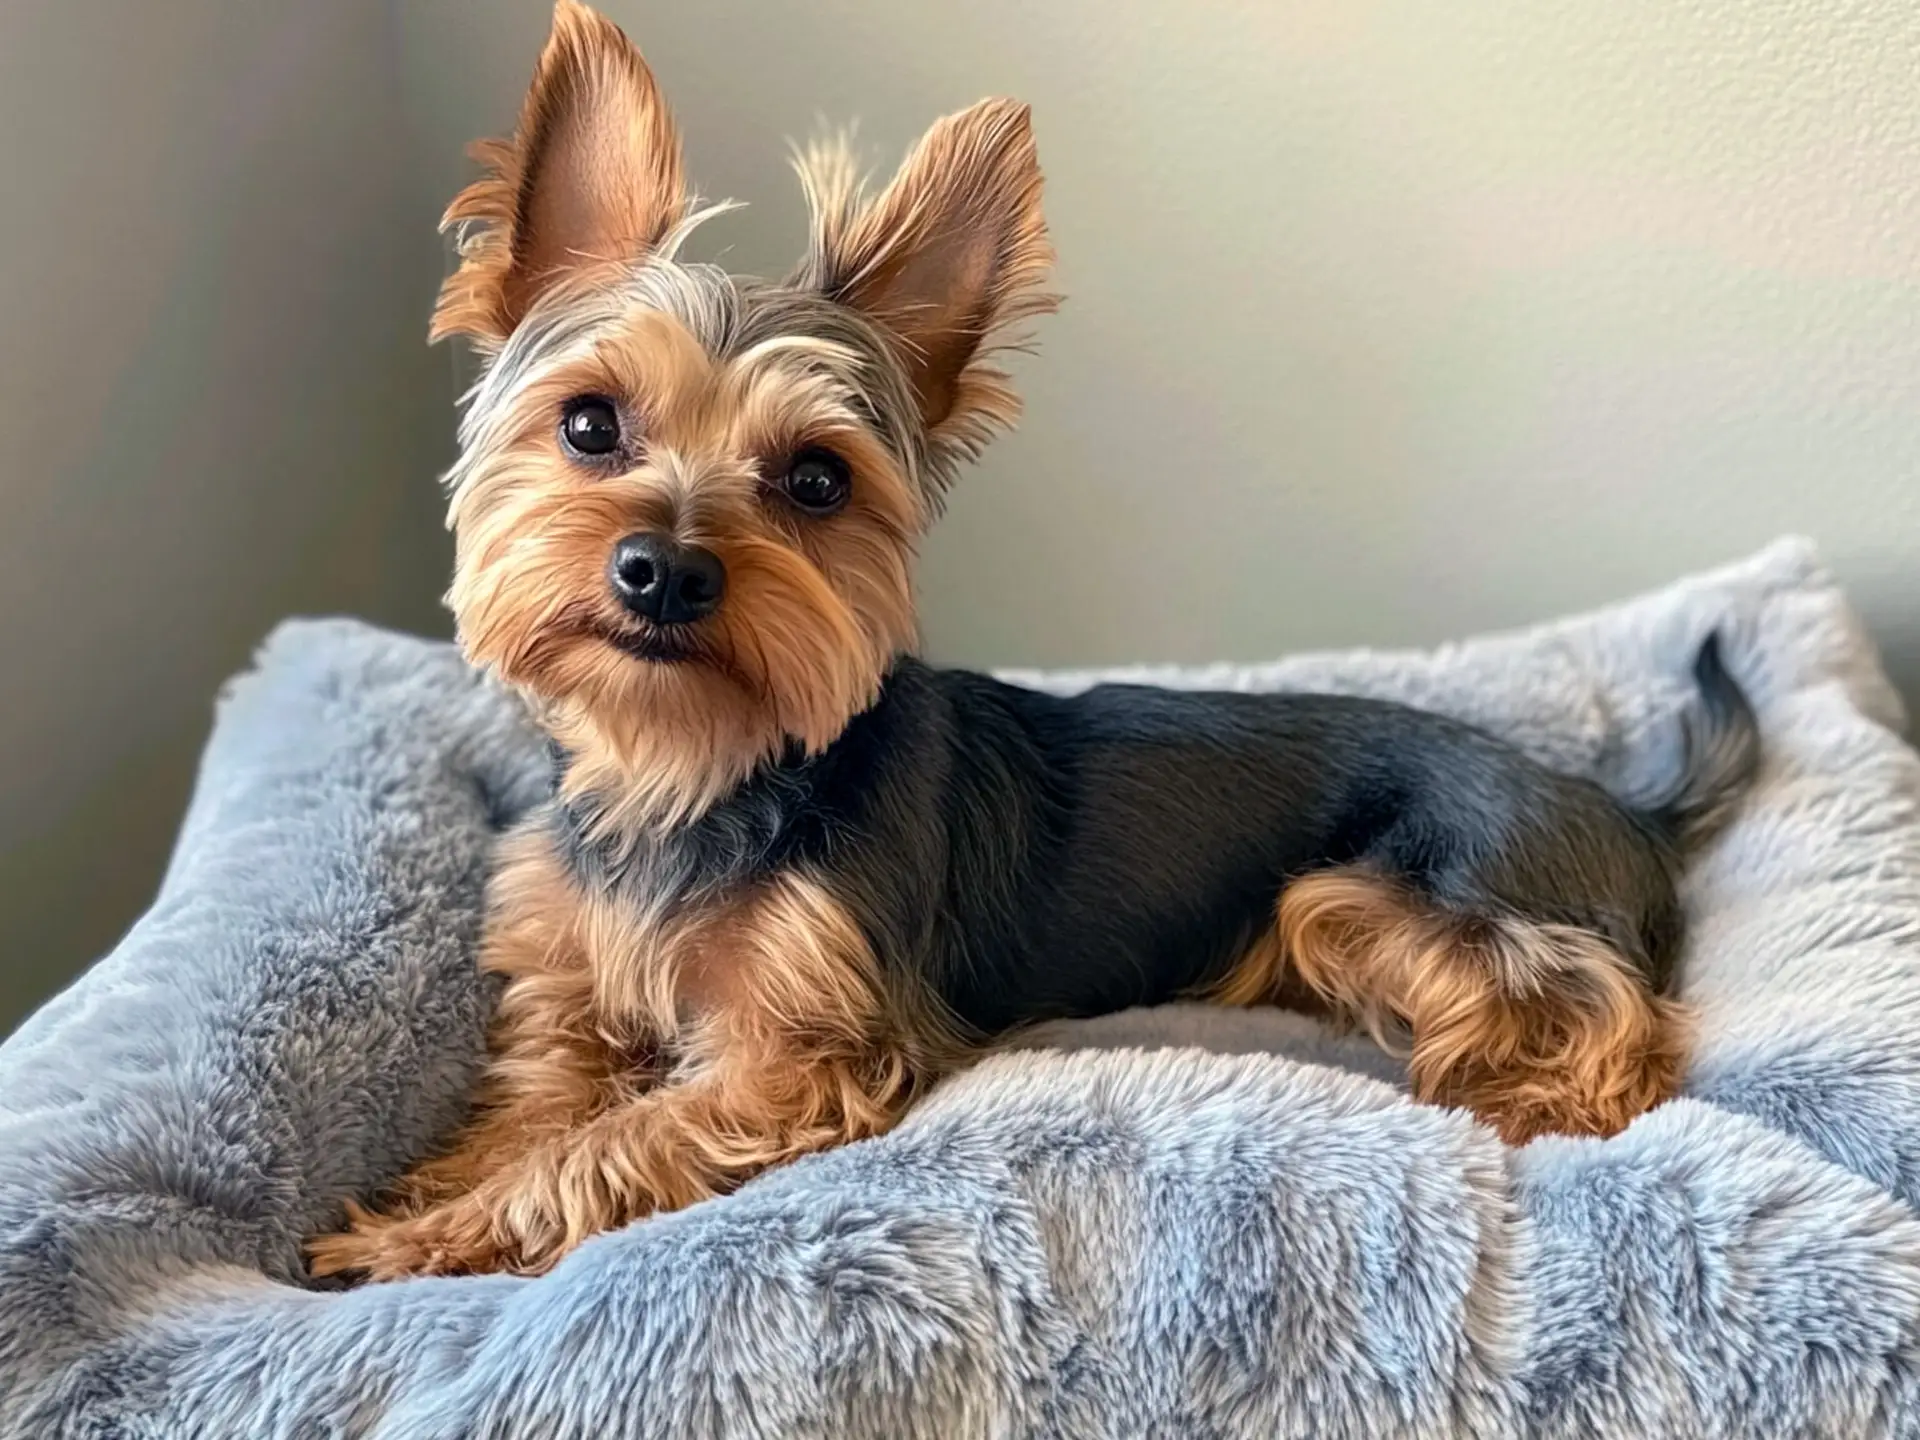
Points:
(791, 875)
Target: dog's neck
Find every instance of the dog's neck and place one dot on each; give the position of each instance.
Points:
(748, 831)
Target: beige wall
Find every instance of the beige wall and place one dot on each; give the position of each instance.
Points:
(1387, 321)
(214, 409)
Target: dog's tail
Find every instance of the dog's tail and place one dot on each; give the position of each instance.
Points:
(1721, 745)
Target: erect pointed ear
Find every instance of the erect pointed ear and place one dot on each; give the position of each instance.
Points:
(948, 257)
(591, 174)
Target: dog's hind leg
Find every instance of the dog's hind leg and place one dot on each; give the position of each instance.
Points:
(1537, 1028)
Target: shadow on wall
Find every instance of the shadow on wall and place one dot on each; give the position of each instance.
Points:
(216, 409)
(1900, 644)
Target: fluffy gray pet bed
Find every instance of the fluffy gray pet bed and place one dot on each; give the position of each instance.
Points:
(1101, 1242)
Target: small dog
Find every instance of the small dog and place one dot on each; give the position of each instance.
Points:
(790, 875)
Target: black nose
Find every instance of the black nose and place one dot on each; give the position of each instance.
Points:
(667, 582)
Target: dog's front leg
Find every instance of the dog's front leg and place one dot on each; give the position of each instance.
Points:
(749, 1103)
(792, 1051)
(557, 1060)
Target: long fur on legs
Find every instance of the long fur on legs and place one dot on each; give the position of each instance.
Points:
(790, 1056)
(1536, 1027)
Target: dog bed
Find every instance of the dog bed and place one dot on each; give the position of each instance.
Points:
(1237, 1227)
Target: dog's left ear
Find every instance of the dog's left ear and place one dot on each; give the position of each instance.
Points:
(592, 174)
(947, 258)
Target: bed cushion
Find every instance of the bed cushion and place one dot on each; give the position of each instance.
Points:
(1179, 1222)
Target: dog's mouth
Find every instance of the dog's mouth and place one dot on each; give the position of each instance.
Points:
(656, 647)
(675, 648)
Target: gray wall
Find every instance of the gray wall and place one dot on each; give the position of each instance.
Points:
(215, 409)
(1388, 321)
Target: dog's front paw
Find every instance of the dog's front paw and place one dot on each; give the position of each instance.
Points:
(449, 1239)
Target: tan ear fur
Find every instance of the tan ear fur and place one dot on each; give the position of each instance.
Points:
(591, 174)
(947, 258)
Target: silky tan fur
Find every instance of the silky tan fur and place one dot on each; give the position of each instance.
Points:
(789, 875)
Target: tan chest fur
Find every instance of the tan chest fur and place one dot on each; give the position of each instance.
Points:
(779, 963)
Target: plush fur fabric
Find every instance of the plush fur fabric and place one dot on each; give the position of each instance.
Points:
(1070, 1241)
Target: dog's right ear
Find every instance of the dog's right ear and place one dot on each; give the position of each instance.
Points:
(592, 174)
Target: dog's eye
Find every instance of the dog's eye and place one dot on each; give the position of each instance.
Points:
(817, 481)
(591, 426)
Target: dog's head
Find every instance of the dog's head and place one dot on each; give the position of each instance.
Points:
(687, 502)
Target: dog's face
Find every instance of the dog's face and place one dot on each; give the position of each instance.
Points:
(686, 503)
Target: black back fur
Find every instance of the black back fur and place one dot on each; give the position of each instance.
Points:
(1028, 857)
